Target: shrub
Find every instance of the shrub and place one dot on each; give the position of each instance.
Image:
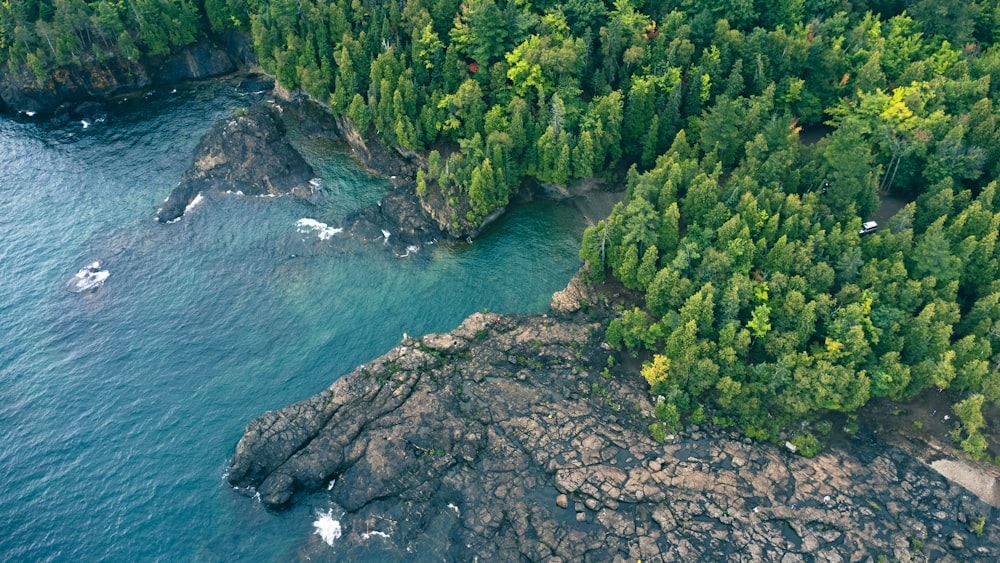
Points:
(698, 416)
(667, 414)
(658, 432)
(807, 444)
(977, 525)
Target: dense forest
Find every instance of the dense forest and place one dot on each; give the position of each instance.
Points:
(762, 304)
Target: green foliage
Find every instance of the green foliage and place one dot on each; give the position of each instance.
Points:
(632, 330)
(658, 432)
(761, 301)
(359, 113)
(977, 524)
(657, 374)
(970, 412)
(668, 414)
(698, 416)
(768, 306)
(807, 445)
(45, 35)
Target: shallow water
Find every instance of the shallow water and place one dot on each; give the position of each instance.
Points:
(119, 406)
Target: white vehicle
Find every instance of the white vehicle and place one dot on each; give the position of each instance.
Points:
(868, 227)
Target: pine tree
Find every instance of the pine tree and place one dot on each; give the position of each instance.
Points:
(583, 156)
(650, 148)
(647, 268)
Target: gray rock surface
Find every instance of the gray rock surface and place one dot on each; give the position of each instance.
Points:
(400, 215)
(247, 153)
(105, 79)
(502, 441)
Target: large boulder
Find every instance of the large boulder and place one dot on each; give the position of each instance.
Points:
(247, 153)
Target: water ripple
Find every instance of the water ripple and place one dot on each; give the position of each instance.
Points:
(119, 406)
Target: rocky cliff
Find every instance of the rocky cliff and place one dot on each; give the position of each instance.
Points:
(507, 440)
(248, 153)
(103, 79)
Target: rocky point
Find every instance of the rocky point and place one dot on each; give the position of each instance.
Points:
(506, 439)
(247, 152)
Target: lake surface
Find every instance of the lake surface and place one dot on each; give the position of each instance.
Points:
(119, 406)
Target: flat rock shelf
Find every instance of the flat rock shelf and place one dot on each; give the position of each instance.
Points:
(503, 441)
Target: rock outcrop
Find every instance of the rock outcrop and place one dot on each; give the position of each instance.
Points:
(397, 164)
(503, 441)
(105, 79)
(247, 153)
(398, 220)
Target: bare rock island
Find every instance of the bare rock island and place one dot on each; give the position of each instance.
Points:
(247, 153)
(503, 441)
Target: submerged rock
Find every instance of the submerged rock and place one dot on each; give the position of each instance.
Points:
(247, 153)
(501, 440)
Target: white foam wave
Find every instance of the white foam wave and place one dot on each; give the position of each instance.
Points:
(85, 123)
(89, 277)
(316, 183)
(194, 202)
(327, 527)
(452, 506)
(386, 234)
(322, 230)
(368, 535)
(409, 250)
(29, 113)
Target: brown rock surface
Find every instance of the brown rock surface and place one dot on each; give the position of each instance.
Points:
(477, 443)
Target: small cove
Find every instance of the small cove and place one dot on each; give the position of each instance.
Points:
(119, 407)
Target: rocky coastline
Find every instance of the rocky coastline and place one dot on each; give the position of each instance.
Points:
(102, 80)
(250, 154)
(507, 439)
(510, 438)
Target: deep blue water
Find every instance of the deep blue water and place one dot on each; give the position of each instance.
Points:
(119, 407)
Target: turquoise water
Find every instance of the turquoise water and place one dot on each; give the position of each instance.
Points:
(119, 407)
